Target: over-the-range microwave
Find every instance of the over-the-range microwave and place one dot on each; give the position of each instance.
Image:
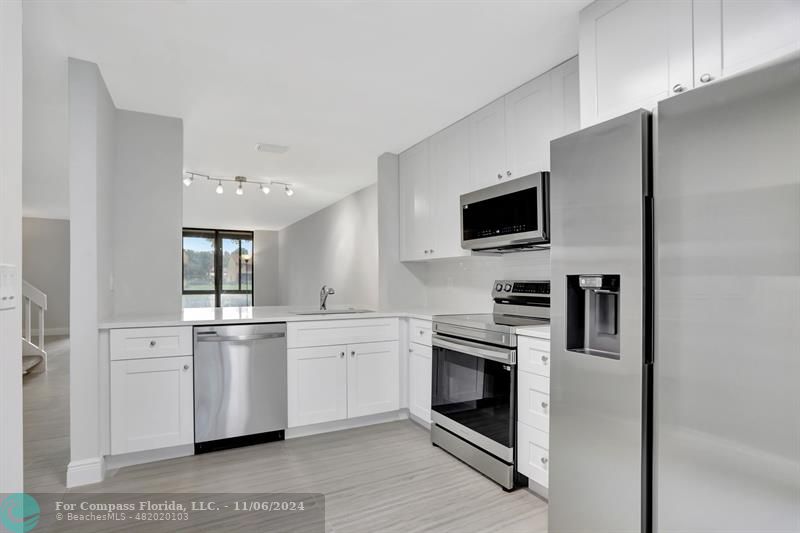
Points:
(512, 216)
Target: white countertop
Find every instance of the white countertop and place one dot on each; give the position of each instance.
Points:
(540, 331)
(244, 315)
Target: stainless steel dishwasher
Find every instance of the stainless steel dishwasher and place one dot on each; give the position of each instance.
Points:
(239, 385)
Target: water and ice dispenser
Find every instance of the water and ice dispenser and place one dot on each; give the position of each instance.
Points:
(593, 314)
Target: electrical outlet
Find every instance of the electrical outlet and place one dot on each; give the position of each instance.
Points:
(8, 287)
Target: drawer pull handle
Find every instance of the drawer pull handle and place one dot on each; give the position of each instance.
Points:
(152, 344)
(545, 405)
(545, 359)
(544, 460)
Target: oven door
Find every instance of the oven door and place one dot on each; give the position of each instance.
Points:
(473, 393)
(513, 213)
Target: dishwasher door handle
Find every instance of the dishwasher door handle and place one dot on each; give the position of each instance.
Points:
(210, 336)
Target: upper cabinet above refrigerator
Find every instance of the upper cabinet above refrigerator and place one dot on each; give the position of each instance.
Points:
(634, 53)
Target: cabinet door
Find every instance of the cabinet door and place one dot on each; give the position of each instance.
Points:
(488, 145)
(152, 404)
(414, 186)
(317, 385)
(530, 127)
(733, 35)
(632, 54)
(533, 456)
(449, 176)
(566, 99)
(373, 378)
(419, 381)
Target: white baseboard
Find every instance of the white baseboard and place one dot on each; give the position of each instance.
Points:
(349, 423)
(419, 421)
(114, 462)
(85, 472)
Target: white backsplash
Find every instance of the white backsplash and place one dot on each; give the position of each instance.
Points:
(465, 284)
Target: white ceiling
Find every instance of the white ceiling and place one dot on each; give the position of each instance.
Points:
(339, 82)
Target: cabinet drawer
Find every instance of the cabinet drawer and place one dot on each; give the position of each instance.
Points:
(533, 355)
(140, 343)
(533, 457)
(419, 331)
(533, 400)
(331, 332)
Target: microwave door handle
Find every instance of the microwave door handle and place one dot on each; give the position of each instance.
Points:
(469, 348)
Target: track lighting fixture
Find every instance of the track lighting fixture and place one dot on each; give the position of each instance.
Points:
(263, 185)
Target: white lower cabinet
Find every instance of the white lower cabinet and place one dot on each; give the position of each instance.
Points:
(373, 378)
(317, 384)
(533, 456)
(533, 409)
(419, 381)
(152, 403)
(328, 383)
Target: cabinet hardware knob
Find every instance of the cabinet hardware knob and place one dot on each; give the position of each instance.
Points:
(411, 350)
(544, 359)
(544, 460)
(341, 354)
(426, 251)
(431, 250)
(544, 405)
(353, 353)
(705, 78)
(186, 367)
(508, 172)
(152, 344)
(500, 176)
(421, 332)
(678, 88)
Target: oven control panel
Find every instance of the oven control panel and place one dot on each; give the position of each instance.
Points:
(511, 288)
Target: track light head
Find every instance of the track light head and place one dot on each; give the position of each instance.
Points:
(264, 188)
(289, 191)
(188, 179)
(239, 190)
(219, 188)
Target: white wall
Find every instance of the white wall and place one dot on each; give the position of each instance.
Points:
(464, 285)
(266, 268)
(91, 140)
(147, 213)
(45, 265)
(11, 460)
(338, 247)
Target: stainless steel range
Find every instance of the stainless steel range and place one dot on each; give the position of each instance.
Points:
(473, 395)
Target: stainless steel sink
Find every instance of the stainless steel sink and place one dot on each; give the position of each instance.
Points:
(347, 311)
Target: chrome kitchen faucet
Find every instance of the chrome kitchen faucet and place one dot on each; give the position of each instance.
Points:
(324, 292)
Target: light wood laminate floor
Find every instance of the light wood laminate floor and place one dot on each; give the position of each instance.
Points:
(385, 477)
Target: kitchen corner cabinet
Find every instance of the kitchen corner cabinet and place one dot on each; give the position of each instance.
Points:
(506, 139)
(634, 53)
(152, 403)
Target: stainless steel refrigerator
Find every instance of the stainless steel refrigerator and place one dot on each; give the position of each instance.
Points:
(675, 379)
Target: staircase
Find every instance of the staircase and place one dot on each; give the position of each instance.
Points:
(34, 356)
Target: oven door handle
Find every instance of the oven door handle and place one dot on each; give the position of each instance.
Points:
(476, 349)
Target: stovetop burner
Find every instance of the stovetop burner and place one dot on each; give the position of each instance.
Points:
(516, 304)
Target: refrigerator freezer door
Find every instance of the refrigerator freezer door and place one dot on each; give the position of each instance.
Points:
(727, 359)
(597, 217)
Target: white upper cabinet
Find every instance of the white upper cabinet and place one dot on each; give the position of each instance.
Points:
(507, 139)
(633, 53)
(415, 197)
(487, 147)
(529, 127)
(733, 35)
(449, 179)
